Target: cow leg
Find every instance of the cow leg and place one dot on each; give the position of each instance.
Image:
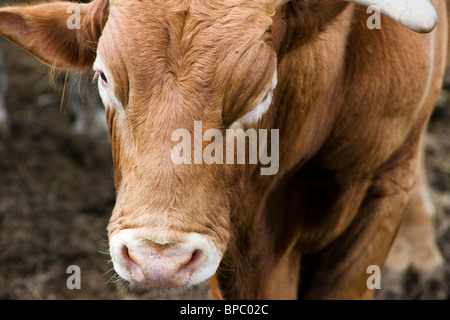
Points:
(343, 268)
(415, 245)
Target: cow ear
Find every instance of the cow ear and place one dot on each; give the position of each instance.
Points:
(417, 15)
(64, 35)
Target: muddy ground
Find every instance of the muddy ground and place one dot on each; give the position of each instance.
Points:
(57, 193)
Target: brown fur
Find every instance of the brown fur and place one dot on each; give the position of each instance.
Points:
(351, 106)
(42, 30)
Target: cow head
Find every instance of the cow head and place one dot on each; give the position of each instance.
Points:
(162, 65)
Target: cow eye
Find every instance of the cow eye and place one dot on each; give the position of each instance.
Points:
(266, 96)
(102, 76)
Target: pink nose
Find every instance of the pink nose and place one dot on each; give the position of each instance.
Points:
(163, 266)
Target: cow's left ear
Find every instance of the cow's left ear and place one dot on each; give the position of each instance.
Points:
(64, 35)
(417, 15)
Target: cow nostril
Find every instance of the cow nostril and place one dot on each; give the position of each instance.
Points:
(195, 257)
(126, 254)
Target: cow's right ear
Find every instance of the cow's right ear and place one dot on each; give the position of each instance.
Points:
(64, 35)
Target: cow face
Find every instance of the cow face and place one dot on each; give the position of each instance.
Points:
(165, 66)
(175, 66)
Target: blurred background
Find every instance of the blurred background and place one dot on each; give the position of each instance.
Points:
(57, 188)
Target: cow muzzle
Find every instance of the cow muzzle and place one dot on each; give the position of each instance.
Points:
(139, 259)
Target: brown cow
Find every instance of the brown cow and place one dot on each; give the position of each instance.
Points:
(350, 103)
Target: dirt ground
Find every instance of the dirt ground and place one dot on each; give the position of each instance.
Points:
(57, 193)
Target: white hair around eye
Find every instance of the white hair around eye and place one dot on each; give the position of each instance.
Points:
(106, 86)
(262, 106)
